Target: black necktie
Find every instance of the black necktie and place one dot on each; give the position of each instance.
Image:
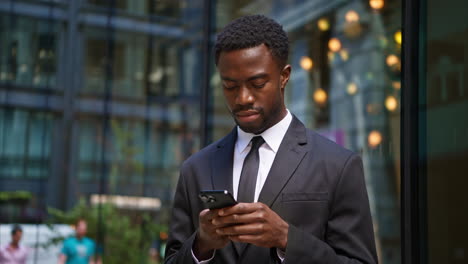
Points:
(248, 178)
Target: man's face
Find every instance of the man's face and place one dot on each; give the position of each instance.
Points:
(253, 86)
(81, 228)
(16, 237)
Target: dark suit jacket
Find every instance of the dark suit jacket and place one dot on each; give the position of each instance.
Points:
(315, 185)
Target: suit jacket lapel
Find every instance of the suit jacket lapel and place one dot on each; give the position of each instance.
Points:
(221, 171)
(222, 163)
(289, 155)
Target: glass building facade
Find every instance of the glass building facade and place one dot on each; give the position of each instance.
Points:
(101, 101)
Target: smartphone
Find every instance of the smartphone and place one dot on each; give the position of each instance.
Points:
(216, 199)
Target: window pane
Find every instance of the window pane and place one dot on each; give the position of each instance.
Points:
(164, 10)
(345, 84)
(25, 144)
(444, 104)
(128, 116)
(141, 66)
(28, 51)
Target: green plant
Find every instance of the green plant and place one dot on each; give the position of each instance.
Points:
(124, 240)
(15, 197)
(124, 155)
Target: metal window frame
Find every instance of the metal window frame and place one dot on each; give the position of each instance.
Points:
(206, 109)
(413, 135)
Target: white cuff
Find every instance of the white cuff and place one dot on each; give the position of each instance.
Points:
(281, 254)
(203, 261)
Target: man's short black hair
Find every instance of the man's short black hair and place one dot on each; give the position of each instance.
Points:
(252, 31)
(15, 229)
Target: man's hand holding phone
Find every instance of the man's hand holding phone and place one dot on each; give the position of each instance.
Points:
(253, 223)
(208, 239)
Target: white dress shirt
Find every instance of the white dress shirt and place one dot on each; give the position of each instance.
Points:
(267, 152)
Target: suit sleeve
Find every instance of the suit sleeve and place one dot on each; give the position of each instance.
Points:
(349, 235)
(182, 230)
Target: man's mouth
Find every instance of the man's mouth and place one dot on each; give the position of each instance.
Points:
(247, 116)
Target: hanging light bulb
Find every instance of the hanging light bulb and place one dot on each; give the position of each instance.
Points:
(320, 96)
(374, 139)
(392, 60)
(352, 88)
(306, 63)
(323, 24)
(376, 4)
(398, 37)
(391, 103)
(334, 44)
(351, 16)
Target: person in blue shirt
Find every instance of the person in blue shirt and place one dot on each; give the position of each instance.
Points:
(79, 249)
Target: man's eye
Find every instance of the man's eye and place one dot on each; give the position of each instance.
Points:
(258, 85)
(230, 87)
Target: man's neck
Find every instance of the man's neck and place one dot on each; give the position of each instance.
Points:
(281, 116)
(14, 245)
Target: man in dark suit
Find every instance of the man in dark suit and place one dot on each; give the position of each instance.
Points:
(302, 198)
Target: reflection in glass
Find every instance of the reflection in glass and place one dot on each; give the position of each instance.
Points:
(132, 114)
(139, 67)
(25, 143)
(443, 108)
(161, 8)
(126, 118)
(348, 93)
(28, 51)
(25, 156)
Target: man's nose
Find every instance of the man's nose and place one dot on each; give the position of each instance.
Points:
(245, 96)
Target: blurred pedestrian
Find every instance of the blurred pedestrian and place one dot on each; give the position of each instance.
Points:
(79, 249)
(14, 253)
(157, 249)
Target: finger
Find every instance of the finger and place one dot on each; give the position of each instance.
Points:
(215, 235)
(252, 239)
(258, 240)
(241, 208)
(249, 229)
(233, 219)
(208, 215)
(210, 229)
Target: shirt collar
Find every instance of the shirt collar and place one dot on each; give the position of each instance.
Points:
(9, 246)
(272, 136)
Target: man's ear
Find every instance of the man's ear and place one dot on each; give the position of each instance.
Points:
(285, 74)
